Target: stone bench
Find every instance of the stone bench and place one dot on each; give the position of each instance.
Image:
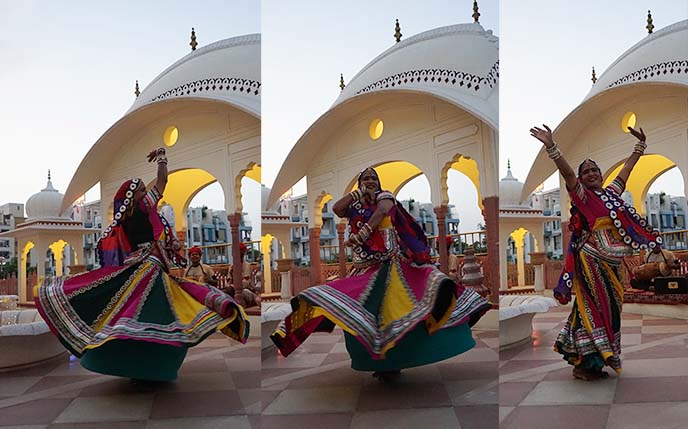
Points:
(516, 314)
(272, 313)
(26, 340)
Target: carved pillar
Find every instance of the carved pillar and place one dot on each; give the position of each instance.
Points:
(565, 237)
(491, 215)
(441, 213)
(284, 266)
(538, 260)
(23, 284)
(314, 246)
(234, 222)
(341, 227)
(521, 262)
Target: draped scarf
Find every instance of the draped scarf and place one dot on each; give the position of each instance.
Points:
(631, 227)
(113, 245)
(411, 239)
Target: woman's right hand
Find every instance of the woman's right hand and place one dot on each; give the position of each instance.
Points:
(545, 136)
(368, 193)
(152, 155)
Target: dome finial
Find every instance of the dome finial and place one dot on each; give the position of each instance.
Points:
(136, 89)
(508, 164)
(48, 175)
(649, 26)
(397, 32)
(594, 77)
(341, 81)
(476, 14)
(193, 43)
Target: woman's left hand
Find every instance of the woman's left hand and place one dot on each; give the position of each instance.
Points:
(640, 135)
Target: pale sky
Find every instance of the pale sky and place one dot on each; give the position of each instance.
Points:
(68, 73)
(69, 70)
(547, 51)
(307, 44)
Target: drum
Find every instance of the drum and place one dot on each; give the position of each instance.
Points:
(647, 272)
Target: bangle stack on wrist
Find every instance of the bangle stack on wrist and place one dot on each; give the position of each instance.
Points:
(356, 194)
(365, 231)
(553, 152)
(362, 235)
(161, 159)
(640, 147)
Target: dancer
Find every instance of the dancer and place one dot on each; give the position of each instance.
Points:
(131, 318)
(604, 229)
(397, 311)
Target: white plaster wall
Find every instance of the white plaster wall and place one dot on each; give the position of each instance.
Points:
(423, 131)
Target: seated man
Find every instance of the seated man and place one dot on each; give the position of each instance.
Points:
(453, 261)
(199, 272)
(249, 293)
(665, 262)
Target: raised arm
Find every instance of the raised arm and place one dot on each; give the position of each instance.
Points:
(638, 151)
(545, 136)
(339, 208)
(159, 156)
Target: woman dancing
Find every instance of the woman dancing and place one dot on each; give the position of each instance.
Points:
(604, 229)
(131, 318)
(397, 311)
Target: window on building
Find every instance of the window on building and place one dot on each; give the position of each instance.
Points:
(653, 220)
(196, 235)
(680, 222)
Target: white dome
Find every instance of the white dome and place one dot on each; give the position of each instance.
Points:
(660, 57)
(468, 77)
(228, 70)
(45, 204)
(653, 68)
(510, 190)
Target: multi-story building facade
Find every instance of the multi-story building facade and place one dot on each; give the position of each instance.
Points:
(666, 213)
(11, 214)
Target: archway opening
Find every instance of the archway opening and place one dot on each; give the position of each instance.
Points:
(520, 272)
(648, 169)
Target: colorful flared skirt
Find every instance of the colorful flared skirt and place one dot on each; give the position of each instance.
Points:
(591, 337)
(136, 321)
(411, 315)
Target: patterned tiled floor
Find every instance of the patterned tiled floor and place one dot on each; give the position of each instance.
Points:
(316, 388)
(537, 390)
(218, 387)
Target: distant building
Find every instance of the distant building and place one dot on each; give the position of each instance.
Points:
(11, 214)
(666, 213)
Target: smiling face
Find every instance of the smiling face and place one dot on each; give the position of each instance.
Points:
(369, 180)
(590, 175)
(195, 258)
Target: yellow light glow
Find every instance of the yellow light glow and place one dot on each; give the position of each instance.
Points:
(182, 187)
(628, 120)
(170, 136)
(393, 175)
(645, 172)
(376, 129)
(469, 168)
